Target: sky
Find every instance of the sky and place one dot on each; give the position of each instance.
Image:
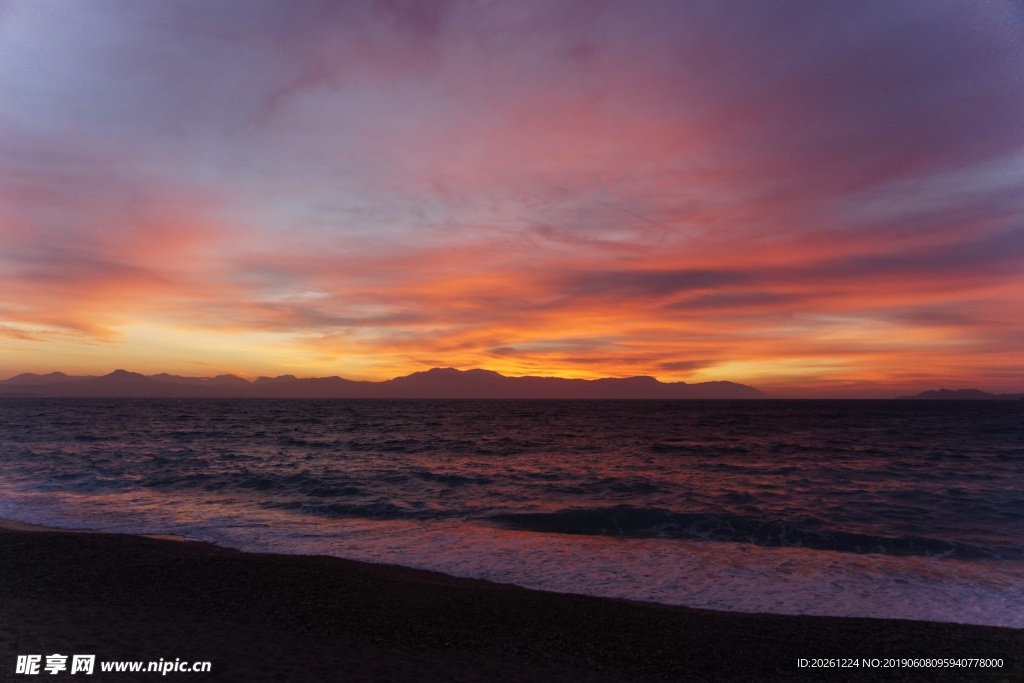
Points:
(815, 198)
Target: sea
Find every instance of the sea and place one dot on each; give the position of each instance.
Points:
(888, 509)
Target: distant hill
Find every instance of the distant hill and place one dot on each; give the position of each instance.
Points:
(32, 378)
(434, 383)
(962, 395)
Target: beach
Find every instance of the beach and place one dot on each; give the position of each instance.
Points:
(269, 617)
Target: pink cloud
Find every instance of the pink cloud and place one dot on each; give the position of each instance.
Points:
(599, 187)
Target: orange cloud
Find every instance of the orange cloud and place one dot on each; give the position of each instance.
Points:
(566, 189)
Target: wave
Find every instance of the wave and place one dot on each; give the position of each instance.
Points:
(378, 509)
(629, 521)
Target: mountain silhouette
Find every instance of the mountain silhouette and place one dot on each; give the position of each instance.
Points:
(434, 383)
(962, 395)
(32, 378)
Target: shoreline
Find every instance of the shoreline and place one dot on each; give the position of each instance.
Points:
(297, 617)
(852, 585)
(14, 525)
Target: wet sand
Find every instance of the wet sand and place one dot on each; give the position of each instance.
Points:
(262, 617)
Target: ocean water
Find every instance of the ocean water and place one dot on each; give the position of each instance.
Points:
(893, 509)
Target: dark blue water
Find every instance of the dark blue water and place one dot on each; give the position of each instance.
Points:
(942, 481)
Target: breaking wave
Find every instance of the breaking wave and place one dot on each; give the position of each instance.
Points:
(629, 521)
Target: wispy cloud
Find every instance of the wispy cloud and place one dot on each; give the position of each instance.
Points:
(820, 194)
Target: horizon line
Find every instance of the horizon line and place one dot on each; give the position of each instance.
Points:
(253, 378)
(57, 377)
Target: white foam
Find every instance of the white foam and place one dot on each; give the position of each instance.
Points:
(722, 576)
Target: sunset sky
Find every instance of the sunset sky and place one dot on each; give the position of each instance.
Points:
(816, 198)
